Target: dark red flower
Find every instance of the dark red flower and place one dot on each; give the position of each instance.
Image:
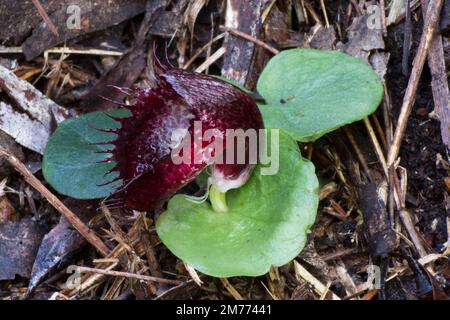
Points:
(162, 117)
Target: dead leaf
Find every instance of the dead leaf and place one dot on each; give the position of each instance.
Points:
(321, 37)
(362, 39)
(7, 211)
(62, 241)
(310, 256)
(57, 244)
(276, 30)
(19, 242)
(166, 24)
(447, 182)
(25, 113)
(192, 12)
(379, 61)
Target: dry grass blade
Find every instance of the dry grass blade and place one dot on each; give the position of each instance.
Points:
(325, 15)
(192, 12)
(376, 145)
(213, 58)
(319, 287)
(325, 292)
(194, 275)
(398, 10)
(236, 295)
(358, 152)
(89, 281)
(199, 51)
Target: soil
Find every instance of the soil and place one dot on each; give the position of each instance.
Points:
(338, 251)
(421, 145)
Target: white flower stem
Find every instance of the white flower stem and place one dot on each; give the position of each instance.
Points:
(218, 200)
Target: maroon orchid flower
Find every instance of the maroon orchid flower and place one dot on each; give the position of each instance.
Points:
(162, 118)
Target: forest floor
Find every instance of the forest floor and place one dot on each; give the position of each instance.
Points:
(407, 240)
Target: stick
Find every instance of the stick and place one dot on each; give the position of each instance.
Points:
(238, 62)
(387, 117)
(406, 39)
(213, 58)
(248, 37)
(358, 152)
(439, 84)
(383, 17)
(185, 285)
(66, 50)
(128, 275)
(232, 290)
(376, 145)
(313, 12)
(405, 216)
(380, 131)
(199, 51)
(339, 254)
(46, 18)
(325, 16)
(408, 101)
(319, 287)
(79, 225)
(194, 275)
(117, 252)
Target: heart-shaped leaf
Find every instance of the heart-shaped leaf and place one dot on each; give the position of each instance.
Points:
(312, 92)
(71, 157)
(266, 224)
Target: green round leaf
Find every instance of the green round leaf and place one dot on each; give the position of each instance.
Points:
(71, 157)
(312, 92)
(266, 224)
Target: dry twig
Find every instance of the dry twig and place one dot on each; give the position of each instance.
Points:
(248, 37)
(128, 275)
(408, 101)
(236, 295)
(319, 287)
(439, 84)
(84, 230)
(45, 16)
(66, 50)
